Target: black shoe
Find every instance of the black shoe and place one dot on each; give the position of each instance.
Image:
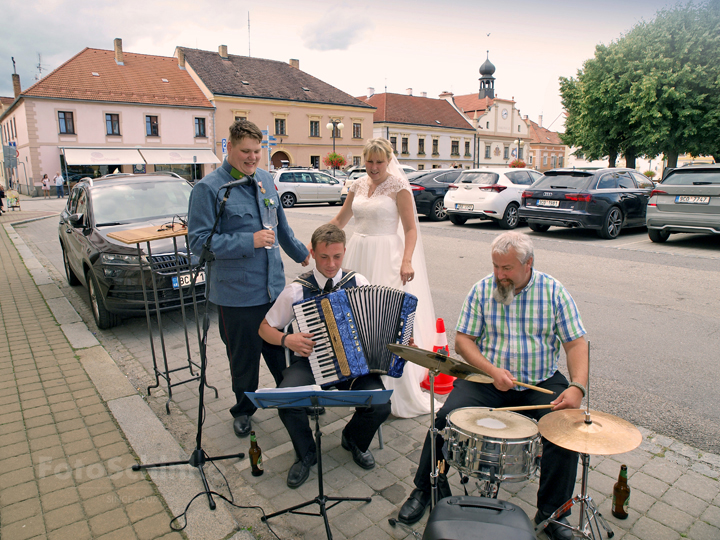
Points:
(363, 459)
(311, 410)
(414, 508)
(241, 425)
(300, 470)
(553, 530)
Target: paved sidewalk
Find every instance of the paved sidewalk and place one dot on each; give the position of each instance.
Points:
(50, 371)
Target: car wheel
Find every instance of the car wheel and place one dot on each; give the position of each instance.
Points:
(658, 236)
(332, 203)
(103, 318)
(437, 212)
(287, 200)
(510, 217)
(457, 220)
(537, 227)
(71, 277)
(611, 224)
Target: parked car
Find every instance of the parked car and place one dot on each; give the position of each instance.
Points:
(109, 268)
(429, 189)
(686, 201)
(491, 193)
(356, 171)
(606, 200)
(300, 185)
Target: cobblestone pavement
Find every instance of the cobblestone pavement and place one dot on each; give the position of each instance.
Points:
(675, 488)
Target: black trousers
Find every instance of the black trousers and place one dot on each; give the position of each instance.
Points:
(360, 429)
(239, 331)
(558, 467)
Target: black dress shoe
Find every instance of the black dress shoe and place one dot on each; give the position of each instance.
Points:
(241, 425)
(300, 470)
(414, 508)
(553, 530)
(363, 459)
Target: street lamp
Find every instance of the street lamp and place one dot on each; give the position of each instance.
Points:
(334, 125)
(519, 142)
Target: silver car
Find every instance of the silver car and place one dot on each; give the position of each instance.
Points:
(686, 201)
(299, 185)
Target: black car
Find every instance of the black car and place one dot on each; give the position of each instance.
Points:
(605, 200)
(110, 268)
(429, 189)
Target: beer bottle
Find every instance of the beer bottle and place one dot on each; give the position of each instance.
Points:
(255, 456)
(621, 495)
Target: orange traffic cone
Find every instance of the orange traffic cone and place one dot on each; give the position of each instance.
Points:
(443, 383)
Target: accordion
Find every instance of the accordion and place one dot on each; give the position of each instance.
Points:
(351, 328)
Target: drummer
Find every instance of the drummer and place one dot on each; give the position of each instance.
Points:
(512, 326)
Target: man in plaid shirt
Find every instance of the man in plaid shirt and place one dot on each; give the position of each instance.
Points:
(512, 326)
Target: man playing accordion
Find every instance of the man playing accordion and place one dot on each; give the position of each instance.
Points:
(328, 250)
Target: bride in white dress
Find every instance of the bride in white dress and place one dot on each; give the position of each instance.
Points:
(386, 248)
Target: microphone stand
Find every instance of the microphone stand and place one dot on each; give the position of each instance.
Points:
(198, 458)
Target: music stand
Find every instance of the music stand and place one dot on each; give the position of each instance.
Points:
(292, 397)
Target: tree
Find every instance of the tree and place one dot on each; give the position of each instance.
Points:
(654, 90)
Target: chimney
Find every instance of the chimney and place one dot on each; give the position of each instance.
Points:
(540, 120)
(423, 94)
(118, 52)
(16, 85)
(408, 91)
(295, 63)
(445, 95)
(222, 51)
(370, 91)
(181, 58)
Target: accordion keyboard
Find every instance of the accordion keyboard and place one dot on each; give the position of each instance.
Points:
(322, 358)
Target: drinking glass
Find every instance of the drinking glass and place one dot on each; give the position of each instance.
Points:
(270, 222)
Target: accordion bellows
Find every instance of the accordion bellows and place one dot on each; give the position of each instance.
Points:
(351, 329)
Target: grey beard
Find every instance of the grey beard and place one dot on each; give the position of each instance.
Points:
(504, 295)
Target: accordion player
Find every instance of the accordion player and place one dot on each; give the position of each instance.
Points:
(351, 329)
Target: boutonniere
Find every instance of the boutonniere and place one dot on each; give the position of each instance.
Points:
(269, 203)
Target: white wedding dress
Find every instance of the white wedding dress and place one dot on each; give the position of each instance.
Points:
(375, 250)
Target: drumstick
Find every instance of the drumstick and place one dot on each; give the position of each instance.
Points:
(543, 390)
(524, 408)
(486, 379)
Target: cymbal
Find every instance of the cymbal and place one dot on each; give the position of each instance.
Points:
(440, 363)
(605, 435)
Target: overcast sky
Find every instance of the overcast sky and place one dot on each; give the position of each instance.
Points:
(427, 45)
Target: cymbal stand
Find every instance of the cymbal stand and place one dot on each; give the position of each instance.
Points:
(433, 436)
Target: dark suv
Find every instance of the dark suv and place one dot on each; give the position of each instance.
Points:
(109, 268)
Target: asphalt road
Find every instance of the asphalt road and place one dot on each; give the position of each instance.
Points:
(652, 311)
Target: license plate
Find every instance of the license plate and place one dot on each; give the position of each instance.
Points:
(459, 206)
(691, 199)
(186, 279)
(546, 202)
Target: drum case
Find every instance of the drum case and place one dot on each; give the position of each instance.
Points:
(479, 518)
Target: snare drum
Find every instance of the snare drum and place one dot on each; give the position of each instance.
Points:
(500, 446)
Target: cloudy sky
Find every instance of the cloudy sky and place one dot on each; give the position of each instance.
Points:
(427, 45)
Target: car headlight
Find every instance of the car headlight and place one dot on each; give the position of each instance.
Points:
(114, 258)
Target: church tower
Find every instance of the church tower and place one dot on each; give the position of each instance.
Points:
(487, 81)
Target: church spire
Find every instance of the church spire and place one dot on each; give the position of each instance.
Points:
(487, 81)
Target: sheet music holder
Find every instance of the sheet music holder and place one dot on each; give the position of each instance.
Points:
(316, 398)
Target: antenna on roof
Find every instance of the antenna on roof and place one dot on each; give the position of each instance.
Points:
(249, 34)
(39, 67)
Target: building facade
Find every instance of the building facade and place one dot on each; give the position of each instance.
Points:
(293, 106)
(547, 151)
(110, 111)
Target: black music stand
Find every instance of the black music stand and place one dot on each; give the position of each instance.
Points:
(294, 397)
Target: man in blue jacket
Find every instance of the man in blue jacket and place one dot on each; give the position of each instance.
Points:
(247, 274)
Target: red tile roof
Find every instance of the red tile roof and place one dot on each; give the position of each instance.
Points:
(6, 101)
(139, 80)
(540, 135)
(470, 103)
(415, 110)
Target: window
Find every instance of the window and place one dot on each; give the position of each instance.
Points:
(405, 145)
(436, 166)
(393, 143)
(487, 125)
(531, 159)
(421, 167)
(315, 160)
(112, 124)
(200, 127)
(643, 181)
(356, 161)
(240, 118)
(435, 148)
(467, 148)
(561, 159)
(151, 126)
(506, 152)
(487, 151)
(314, 128)
(553, 162)
(455, 148)
(357, 130)
(421, 147)
(280, 126)
(544, 161)
(65, 120)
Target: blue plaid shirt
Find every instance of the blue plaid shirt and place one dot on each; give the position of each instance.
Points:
(524, 337)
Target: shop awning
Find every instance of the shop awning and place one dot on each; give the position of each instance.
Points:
(183, 156)
(103, 156)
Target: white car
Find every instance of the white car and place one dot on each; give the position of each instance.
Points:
(492, 193)
(356, 172)
(300, 185)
